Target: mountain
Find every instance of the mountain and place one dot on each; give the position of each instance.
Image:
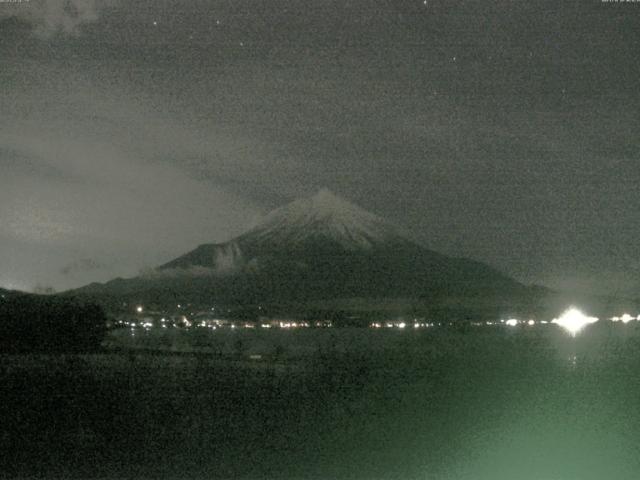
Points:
(314, 250)
(317, 226)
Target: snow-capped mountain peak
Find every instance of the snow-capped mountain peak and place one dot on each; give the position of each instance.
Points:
(324, 215)
(317, 248)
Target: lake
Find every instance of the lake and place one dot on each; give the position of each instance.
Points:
(530, 403)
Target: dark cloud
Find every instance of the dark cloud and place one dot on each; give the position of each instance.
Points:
(13, 161)
(49, 17)
(81, 265)
(505, 131)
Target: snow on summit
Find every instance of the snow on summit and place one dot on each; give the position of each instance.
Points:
(327, 216)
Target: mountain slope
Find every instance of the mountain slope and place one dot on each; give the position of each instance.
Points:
(321, 247)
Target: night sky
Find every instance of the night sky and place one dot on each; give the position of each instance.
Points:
(505, 131)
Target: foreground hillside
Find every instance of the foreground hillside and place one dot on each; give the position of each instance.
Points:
(49, 324)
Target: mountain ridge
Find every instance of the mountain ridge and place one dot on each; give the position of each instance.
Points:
(315, 248)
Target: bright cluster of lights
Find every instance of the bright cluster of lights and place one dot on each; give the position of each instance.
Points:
(400, 325)
(626, 318)
(573, 320)
(513, 322)
(293, 324)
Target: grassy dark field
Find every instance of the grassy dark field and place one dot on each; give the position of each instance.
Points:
(522, 403)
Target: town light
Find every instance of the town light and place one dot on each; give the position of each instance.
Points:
(573, 320)
(626, 318)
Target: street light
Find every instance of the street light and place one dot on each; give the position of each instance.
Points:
(573, 320)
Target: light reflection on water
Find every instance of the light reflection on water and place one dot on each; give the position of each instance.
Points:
(574, 423)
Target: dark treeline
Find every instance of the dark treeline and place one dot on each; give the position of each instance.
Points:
(33, 323)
